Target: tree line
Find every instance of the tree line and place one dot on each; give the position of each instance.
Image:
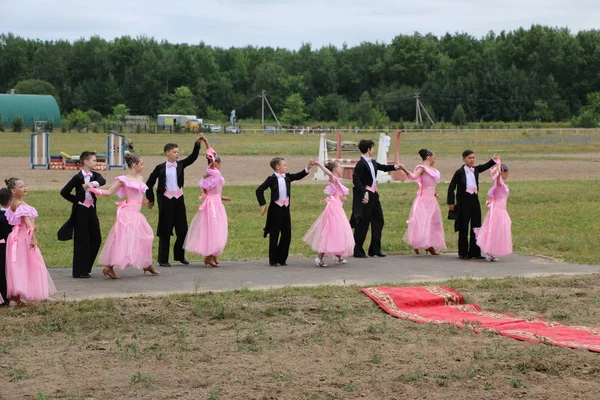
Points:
(541, 73)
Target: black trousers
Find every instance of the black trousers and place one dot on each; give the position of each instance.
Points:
(469, 217)
(86, 240)
(3, 273)
(280, 234)
(372, 215)
(172, 214)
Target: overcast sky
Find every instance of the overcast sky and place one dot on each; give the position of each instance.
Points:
(285, 23)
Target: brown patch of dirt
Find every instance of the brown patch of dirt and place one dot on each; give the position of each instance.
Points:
(332, 343)
(252, 170)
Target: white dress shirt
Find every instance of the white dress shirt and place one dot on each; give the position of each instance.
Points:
(283, 194)
(368, 160)
(86, 179)
(471, 183)
(171, 174)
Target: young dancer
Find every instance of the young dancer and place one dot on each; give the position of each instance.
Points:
(279, 225)
(5, 228)
(129, 242)
(83, 225)
(465, 183)
(26, 274)
(425, 226)
(366, 208)
(494, 237)
(207, 234)
(331, 232)
(171, 204)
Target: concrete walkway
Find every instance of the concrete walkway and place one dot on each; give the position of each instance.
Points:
(257, 274)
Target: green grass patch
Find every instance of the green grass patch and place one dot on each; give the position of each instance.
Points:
(445, 144)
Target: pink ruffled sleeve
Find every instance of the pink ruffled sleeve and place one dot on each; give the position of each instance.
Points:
(24, 210)
(214, 178)
(121, 190)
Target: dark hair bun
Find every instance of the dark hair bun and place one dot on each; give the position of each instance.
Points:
(423, 153)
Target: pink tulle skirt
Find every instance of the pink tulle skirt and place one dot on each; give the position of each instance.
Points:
(129, 242)
(26, 273)
(495, 237)
(331, 232)
(425, 226)
(207, 233)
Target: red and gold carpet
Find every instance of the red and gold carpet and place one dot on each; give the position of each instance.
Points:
(442, 305)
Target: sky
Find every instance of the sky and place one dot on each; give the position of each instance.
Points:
(285, 23)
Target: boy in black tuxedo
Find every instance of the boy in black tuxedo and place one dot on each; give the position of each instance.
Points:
(467, 209)
(5, 229)
(171, 205)
(279, 224)
(83, 225)
(366, 208)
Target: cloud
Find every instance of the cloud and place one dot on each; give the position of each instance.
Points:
(285, 23)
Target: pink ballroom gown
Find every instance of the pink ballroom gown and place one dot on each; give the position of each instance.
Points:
(26, 273)
(129, 242)
(331, 232)
(425, 226)
(207, 233)
(494, 237)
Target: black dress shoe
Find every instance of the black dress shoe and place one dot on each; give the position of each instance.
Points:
(478, 258)
(273, 264)
(463, 257)
(184, 261)
(360, 256)
(283, 264)
(380, 254)
(164, 265)
(85, 276)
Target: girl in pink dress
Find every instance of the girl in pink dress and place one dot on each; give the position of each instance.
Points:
(494, 237)
(425, 226)
(26, 274)
(331, 232)
(129, 242)
(207, 233)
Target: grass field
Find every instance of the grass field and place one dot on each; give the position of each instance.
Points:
(552, 218)
(295, 343)
(322, 342)
(518, 143)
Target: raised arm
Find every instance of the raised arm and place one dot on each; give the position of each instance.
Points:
(325, 170)
(487, 165)
(385, 168)
(189, 160)
(413, 175)
(108, 192)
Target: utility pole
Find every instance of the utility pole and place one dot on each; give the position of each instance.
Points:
(419, 106)
(418, 117)
(263, 96)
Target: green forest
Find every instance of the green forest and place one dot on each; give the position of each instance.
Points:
(537, 74)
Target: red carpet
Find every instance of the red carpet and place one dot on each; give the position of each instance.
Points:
(442, 305)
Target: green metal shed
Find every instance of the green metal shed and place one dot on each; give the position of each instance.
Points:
(30, 107)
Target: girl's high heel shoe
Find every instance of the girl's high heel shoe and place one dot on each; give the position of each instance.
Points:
(151, 269)
(417, 251)
(211, 261)
(432, 251)
(18, 301)
(110, 273)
